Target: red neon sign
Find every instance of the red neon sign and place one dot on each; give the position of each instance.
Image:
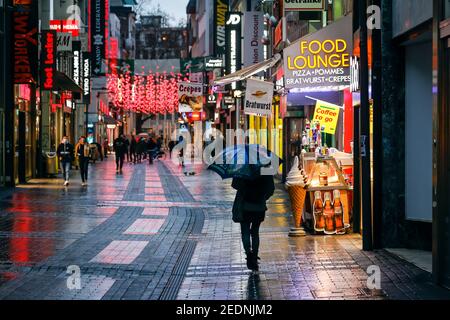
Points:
(48, 59)
(66, 26)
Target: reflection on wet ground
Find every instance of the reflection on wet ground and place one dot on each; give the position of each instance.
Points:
(155, 233)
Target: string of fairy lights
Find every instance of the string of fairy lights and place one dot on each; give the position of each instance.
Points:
(145, 92)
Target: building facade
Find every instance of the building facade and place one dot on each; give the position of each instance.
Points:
(415, 86)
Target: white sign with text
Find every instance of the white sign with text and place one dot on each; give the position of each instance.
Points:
(258, 97)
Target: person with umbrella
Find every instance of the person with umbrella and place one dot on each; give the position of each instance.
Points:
(249, 209)
(254, 185)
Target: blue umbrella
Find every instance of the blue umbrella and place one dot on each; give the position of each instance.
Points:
(243, 161)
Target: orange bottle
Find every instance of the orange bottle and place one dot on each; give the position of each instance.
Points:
(338, 212)
(328, 213)
(319, 222)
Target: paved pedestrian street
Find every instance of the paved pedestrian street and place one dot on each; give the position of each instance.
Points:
(157, 234)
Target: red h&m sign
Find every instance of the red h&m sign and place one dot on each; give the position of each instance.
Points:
(25, 41)
(66, 26)
(48, 59)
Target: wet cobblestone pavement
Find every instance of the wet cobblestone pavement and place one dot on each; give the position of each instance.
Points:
(157, 234)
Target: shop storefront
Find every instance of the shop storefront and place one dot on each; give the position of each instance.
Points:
(24, 134)
(317, 123)
(59, 118)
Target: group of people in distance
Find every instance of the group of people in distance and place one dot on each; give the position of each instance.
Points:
(82, 152)
(135, 150)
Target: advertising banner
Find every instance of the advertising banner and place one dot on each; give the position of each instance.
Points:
(253, 33)
(71, 10)
(258, 97)
(25, 44)
(304, 5)
(48, 59)
(98, 41)
(190, 97)
(192, 65)
(64, 41)
(66, 26)
(327, 115)
(321, 61)
(220, 11)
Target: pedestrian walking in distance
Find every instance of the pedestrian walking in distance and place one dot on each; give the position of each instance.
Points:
(105, 148)
(151, 149)
(127, 144)
(120, 149)
(249, 209)
(140, 149)
(133, 145)
(65, 154)
(83, 154)
(171, 146)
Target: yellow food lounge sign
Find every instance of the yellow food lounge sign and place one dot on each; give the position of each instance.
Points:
(320, 54)
(321, 61)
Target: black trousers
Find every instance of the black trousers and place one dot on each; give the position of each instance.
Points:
(84, 164)
(250, 236)
(120, 158)
(133, 156)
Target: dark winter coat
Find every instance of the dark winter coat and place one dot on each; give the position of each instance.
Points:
(65, 152)
(120, 146)
(141, 146)
(133, 145)
(250, 202)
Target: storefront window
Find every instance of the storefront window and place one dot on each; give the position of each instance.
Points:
(2, 151)
(447, 9)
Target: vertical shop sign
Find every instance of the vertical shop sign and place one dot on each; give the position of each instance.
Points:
(86, 72)
(97, 39)
(77, 58)
(220, 11)
(25, 41)
(253, 33)
(233, 60)
(48, 59)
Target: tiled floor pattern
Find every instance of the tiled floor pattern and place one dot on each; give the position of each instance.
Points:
(120, 252)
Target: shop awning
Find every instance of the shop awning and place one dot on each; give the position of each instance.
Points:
(248, 71)
(64, 83)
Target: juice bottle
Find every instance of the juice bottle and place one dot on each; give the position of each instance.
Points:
(319, 222)
(328, 213)
(338, 212)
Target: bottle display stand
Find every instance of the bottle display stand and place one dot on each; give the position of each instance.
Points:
(327, 188)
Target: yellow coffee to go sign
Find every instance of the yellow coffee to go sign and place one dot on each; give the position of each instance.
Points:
(327, 115)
